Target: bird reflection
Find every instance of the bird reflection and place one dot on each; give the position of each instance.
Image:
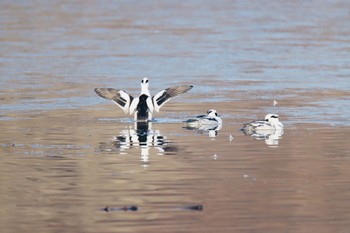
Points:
(211, 131)
(141, 136)
(271, 136)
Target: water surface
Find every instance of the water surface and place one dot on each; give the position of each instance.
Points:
(65, 154)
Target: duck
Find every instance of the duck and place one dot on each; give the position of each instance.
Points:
(207, 122)
(145, 104)
(271, 122)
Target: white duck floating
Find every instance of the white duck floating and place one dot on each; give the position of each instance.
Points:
(209, 122)
(271, 122)
(270, 129)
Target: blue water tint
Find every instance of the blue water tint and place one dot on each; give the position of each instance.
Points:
(51, 104)
(277, 46)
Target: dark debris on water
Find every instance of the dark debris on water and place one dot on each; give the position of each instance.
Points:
(136, 208)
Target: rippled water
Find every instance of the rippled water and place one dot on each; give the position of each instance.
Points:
(67, 159)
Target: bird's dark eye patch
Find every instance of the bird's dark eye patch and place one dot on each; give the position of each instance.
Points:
(274, 116)
(266, 119)
(216, 114)
(147, 81)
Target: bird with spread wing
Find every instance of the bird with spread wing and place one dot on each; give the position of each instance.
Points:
(144, 105)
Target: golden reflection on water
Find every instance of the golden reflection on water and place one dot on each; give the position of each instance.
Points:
(56, 176)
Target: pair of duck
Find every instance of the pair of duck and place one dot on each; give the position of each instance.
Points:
(144, 106)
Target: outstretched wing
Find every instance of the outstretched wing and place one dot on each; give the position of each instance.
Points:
(119, 97)
(165, 95)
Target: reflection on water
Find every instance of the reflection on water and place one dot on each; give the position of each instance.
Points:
(142, 136)
(271, 136)
(211, 131)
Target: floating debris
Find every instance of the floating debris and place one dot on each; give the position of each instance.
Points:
(192, 207)
(252, 178)
(215, 157)
(136, 208)
(230, 138)
(124, 208)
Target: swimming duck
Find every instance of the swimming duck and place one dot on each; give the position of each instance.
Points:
(144, 105)
(271, 122)
(210, 121)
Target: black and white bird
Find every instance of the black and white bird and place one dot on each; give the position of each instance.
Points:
(270, 129)
(144, 105)
(271, 122)
(210, 121)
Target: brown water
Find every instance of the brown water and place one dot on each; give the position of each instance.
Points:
(61, 162)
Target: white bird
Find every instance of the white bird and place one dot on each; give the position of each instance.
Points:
(271, 122)
(210, 121)
(270, 129)
(144, 105)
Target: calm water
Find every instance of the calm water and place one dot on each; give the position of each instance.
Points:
(65, 153)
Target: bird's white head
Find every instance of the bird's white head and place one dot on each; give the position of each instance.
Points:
(144, 81)
(144, 86)
(212, 113)
(271, 117)
(274, 120)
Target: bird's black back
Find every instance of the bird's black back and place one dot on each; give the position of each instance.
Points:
(142, 108)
